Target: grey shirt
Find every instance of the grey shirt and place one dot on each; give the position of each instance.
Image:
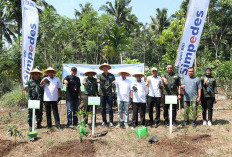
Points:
(191, 88)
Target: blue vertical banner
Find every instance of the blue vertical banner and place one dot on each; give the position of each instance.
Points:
(194, 23)
(30, 26)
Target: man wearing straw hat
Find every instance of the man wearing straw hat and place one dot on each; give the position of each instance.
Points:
(91, 89)
(155, 95)
(73, 84)
(138, 94)
(35, 92)
(52, 95)
(123, 86)
(106, 86)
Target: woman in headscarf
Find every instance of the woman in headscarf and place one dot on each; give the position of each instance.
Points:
(209, 95)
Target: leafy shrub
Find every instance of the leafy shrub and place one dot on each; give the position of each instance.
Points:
(13, 98)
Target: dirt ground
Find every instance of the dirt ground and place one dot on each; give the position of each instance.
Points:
(200, 141)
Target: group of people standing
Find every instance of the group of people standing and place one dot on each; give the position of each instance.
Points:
(139, 93)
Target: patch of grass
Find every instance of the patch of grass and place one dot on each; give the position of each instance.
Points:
(13, 98)
(6, 119)
(49, 143)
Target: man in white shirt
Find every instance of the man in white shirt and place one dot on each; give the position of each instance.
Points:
(155, 95)
(52, 95)
(123, 86)
(138, 94)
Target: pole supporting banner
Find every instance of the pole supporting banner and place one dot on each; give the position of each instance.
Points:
(30, 26)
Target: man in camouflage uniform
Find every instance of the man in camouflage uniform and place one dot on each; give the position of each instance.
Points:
(35, 92)
(91, 89)
(171, 82)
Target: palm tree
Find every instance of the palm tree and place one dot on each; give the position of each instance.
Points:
(13, 13)
(120, 10)
(6, 30)
(161, 21)
(87, 8)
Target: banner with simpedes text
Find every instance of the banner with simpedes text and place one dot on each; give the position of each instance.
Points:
(30, 26)
(194, 23)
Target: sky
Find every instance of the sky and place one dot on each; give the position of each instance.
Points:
(143, 9)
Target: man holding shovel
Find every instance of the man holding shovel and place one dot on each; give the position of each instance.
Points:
(35, 92)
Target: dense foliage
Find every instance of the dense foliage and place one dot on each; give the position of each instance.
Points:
(95, 38)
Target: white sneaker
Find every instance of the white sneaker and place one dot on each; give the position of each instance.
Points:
(132, 128)
(209, 123)
(118, 126)
(111, 125)
(204, 122)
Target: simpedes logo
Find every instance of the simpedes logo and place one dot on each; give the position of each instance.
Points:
(31, 41)
(30, 3)
(194, 40)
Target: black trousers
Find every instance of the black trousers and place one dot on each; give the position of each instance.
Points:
(141, 107)
(166, 116)
(207, 104)
(54, 106)
(151, 102)
(38, 113)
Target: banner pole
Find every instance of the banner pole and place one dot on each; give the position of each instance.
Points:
(93, 121)
(33, 120)
(170, 119)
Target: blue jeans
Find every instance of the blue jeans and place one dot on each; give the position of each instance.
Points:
(72, 108)
(121, 105)
(109, 101)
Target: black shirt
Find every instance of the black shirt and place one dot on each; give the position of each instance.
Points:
(73, 87)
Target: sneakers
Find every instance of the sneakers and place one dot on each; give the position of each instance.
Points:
(174, 123)
(133, 126)
(126, 126)
(194, 125)
(118, 126)
(209, 123)
(111, 125)
(149, 124)
(70, 126)
(204, 122)
(156, 125)
(165, 123)
(39, 126)
(103, 124)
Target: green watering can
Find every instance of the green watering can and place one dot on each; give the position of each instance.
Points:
(142, 131)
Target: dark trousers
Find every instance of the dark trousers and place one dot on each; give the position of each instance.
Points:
(187, 104)
(151, 102)
(88, 108)
(72, 109)
(54, 106)
(207, 104)
(109, 101)
(166, 116)
(141, 107)
(38, 113)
